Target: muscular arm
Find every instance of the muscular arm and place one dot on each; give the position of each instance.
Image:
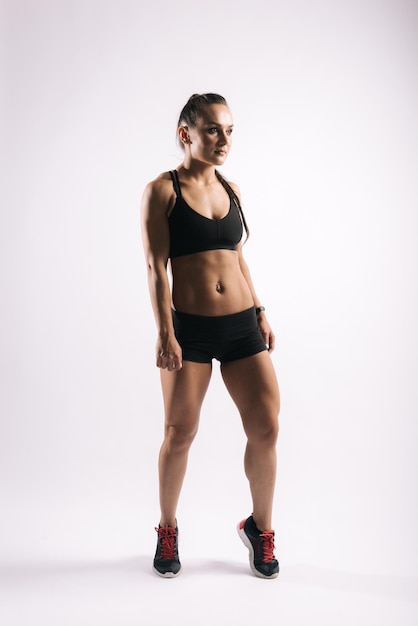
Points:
(263, 324)
(156, 241)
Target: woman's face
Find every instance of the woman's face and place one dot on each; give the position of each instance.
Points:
(210, 140)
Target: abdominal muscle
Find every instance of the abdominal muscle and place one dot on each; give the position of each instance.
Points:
(210, 283)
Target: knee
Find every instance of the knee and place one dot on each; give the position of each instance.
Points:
(264, 433)
(179, 438)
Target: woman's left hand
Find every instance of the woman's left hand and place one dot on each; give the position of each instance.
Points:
(266, 332)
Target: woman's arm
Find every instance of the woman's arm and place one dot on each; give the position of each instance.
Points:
(156, 241)
(263, 324)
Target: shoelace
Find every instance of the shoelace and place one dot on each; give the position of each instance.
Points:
(168, 542)
(268, 546)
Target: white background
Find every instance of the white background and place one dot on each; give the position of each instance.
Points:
(324, 97)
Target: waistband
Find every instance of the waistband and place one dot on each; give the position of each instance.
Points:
(230, 317)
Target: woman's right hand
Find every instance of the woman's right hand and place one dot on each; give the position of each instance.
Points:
(169, 355)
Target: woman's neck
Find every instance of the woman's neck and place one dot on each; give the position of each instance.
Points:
(202, 173)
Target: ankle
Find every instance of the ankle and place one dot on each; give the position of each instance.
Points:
(167, 521)
(263, 525)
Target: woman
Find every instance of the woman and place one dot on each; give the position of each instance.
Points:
(192, 218)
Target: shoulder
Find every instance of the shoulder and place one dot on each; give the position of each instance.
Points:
(160, 186)
(159, 192)
(234, 187)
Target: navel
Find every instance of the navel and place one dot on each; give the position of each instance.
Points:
(219, 288)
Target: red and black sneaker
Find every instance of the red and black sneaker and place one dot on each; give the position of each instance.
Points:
(166, 560)
(261, 548)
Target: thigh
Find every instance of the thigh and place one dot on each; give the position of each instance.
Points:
(183, 393)
(253, 386)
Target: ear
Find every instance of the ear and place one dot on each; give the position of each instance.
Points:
(183, 133)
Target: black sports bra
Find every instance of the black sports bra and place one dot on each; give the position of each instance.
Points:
(191, 232)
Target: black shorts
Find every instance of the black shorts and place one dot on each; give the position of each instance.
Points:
(222, 337)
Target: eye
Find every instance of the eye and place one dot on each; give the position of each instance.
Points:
(229, 131)
(213, 130)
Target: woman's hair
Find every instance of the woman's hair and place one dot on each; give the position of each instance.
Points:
(193, 107)
(188, 116)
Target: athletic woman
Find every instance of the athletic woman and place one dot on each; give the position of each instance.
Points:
(192, 224)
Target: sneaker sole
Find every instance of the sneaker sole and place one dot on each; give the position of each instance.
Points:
(247, 543)
(167, 574)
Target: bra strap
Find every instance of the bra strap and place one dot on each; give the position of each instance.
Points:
(231, 193)
(176, 183)
(234, 198)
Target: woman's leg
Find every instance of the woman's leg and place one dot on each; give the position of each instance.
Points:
(253, 386)
(183, 393)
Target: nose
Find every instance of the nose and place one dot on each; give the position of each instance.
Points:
(223, 138)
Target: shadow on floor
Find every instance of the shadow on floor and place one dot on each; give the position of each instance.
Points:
(25, 572)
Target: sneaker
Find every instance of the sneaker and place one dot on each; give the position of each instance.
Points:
(261, 548)
(166, 560)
